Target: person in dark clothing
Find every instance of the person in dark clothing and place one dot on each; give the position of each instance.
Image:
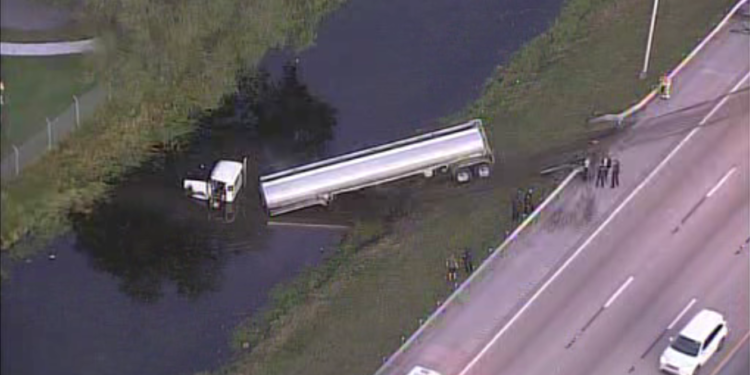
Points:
(528, 203)
(601, 173)
(615, 173)
(516, 209)
(468, 263)
(608, 165)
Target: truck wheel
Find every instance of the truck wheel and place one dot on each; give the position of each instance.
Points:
(483, 170)
(463, 175)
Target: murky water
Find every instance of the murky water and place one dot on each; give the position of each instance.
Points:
(151, 283)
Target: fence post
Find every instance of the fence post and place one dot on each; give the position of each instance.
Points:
(15, 151)
(78, 113)
(49, 134)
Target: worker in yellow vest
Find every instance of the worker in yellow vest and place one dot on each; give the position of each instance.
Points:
(665, 87)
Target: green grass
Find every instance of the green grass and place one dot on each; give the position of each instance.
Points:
(70, 32)
(36, 88)
(586, 64)
(160, 63)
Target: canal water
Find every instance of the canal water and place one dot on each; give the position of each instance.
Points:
(153, 283)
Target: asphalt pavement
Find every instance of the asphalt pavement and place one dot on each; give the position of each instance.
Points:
(606, 276)
(737, 363)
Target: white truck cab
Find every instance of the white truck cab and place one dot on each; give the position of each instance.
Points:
(702, 337)
(222, 186)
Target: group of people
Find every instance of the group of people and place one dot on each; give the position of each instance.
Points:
(606, 164)
(522, 205)
(453, 265)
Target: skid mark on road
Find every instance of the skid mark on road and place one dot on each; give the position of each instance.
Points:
(708, 195)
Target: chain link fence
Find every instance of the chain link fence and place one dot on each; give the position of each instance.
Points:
(56, 130)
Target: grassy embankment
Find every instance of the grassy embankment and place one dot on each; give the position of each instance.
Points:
(39, 87)
(345, 316)
(76, 29)
(162, 61)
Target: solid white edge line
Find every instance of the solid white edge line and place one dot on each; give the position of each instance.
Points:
(651, 95)
(721, 182)
(591, 238)
(724, 100)
(705, 41)
(732, 352)
(479, 270)
(679, 316)
(618, 292)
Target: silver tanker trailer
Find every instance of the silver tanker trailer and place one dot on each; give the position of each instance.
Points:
(462, 149)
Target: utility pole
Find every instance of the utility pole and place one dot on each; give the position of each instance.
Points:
(650, 40)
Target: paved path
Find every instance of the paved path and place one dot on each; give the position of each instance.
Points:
(48, 49)
(521, 313)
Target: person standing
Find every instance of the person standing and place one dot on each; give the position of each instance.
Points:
(468, 263)
(528, 202)
(600, 173)
(605, 172)
(516, 208)
(452, 265)
(615, 173)
(586, 167)
(608, 163)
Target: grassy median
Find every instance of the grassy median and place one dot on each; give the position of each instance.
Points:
(347, 315)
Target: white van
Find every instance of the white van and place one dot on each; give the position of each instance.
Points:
(702, 337)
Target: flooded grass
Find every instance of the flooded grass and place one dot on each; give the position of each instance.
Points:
(586, 64)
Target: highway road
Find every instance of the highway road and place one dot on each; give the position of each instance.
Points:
(736, 363)
(670, 241)
(611, 310)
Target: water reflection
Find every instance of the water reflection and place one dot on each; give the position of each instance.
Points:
(145, 249)
(282, 111)
(149, 235)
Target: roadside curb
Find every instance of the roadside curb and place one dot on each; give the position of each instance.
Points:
(495, 253)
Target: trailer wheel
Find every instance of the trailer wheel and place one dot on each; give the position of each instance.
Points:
(463, 175)
(483, 170)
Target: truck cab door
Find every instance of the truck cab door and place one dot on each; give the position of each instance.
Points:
(196, 189)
